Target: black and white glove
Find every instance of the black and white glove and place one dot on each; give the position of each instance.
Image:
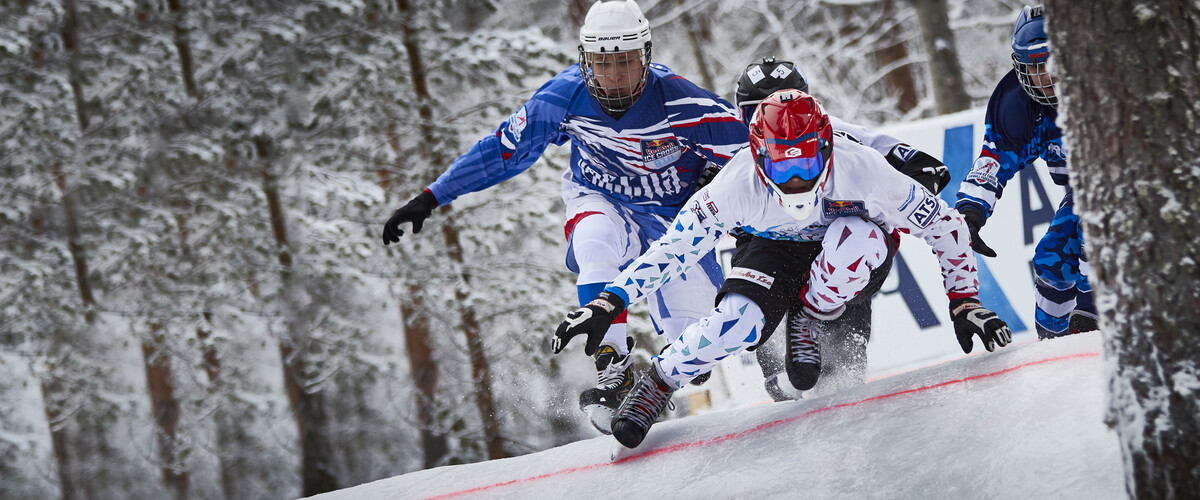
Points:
(415, 211)
(975, 220)
(592, 320)
(972, 319)
(706, 176)
(920, 166)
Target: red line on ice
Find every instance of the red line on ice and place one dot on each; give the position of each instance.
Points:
(758, 428)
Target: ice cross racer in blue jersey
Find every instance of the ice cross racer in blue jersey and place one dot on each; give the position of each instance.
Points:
(1020, 127)
(640, 137)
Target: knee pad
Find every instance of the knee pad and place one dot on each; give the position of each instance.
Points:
(852, 248)
(594, 249)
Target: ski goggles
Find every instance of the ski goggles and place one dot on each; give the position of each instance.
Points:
(781, 171)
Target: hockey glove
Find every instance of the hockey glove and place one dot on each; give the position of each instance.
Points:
(971, 318)
(592, 320)
(920, 166)
(706, 176)
(415, 211)
(975, 221)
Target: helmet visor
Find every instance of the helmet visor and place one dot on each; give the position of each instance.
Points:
(781, 171)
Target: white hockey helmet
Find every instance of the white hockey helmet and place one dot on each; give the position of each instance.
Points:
(614, 54)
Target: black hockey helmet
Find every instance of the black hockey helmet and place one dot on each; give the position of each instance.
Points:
(761, 79)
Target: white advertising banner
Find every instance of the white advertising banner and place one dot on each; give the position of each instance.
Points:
(911, 321)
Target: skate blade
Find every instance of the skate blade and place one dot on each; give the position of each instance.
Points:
(601, 417)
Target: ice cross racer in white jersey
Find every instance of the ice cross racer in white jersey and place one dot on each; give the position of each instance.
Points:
(837, 359)
(828, 212)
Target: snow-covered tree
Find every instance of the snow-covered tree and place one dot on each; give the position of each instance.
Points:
(1131, 93)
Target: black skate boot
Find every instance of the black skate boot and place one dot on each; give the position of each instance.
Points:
(614, 379)
(1081, 322)
(641, 408)
(803, 353)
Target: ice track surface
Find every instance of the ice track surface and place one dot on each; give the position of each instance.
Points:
(1023, 422)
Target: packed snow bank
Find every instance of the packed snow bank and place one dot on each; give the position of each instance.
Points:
(1023, 422)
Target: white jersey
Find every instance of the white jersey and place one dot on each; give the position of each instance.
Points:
(861, 184)
(870, 138)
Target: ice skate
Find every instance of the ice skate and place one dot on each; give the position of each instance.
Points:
(803, 352)
(614, 379)
(641, 408)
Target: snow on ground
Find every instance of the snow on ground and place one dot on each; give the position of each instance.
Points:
(1023, 422)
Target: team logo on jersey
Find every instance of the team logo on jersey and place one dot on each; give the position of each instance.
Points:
(757, 277)
(1055, 153)
(659, 153)
(712, 207)
(985, 172)
(698, 211)
(517, 123)
(841, 208)
(926, 210)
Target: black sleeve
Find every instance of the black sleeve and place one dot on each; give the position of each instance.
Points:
(920, 166)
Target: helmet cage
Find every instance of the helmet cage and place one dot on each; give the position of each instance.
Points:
(1031, 55)
(1030, 74)
(614, 54)
(630, 69)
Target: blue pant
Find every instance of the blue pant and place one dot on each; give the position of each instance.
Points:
(1062, 288)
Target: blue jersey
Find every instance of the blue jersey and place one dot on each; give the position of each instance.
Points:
(647, 160)
(1017, 131)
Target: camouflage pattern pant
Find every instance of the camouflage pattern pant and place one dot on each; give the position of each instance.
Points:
(1060, 268)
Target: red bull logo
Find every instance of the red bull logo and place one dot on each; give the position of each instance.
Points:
(659, 153)
(843, 208)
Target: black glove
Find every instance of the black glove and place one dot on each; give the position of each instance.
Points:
(920, 166)
(415, 211)
(592, 320)
(971, 318)
(706, 176)
(975, 221)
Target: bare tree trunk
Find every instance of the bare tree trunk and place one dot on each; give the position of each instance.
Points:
(481, 372)
(166, 409)
(58, 432)
(187, 66)
(308, 408)
(425, 374)
(944, 69)
(699, 30)
(576, 11)
(899, 80)
(1131, 87)
(479, 364)
(212, 370)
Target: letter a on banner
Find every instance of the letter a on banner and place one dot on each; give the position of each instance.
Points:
(958, 154)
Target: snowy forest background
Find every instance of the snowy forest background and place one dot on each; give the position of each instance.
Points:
(194, 298)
